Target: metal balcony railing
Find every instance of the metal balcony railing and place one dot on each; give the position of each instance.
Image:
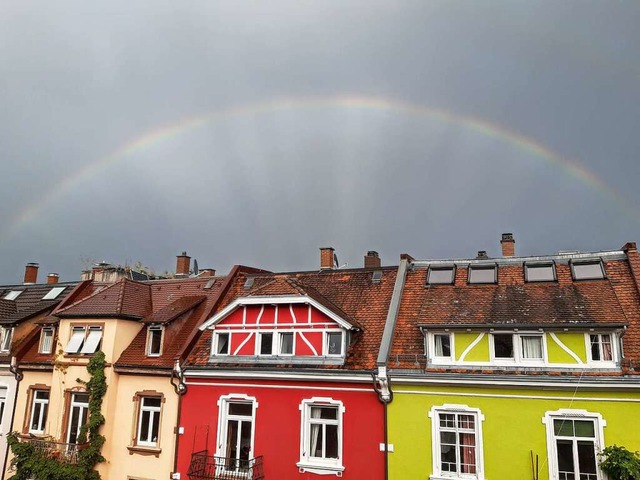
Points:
(210, 467)
(65, 452)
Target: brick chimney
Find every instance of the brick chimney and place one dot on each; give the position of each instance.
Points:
(182, 265)
(508, 245)
(207, 272)
(31, 273)
(52, 278)
(326, 258)
(372, 260)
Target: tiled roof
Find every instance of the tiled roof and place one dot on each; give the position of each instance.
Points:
(181, 305)
(124, 299)
(30, 301)
(7, 307)
(349, 293)
(512, 302)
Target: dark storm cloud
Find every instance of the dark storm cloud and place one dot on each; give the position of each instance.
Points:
(80, 80)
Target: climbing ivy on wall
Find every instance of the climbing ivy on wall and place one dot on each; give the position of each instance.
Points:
(31, 462)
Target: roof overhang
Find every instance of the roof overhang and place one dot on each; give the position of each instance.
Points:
(276, 300)
(525, 326)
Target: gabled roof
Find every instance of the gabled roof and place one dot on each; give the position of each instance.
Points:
(124, 299)
(348, 294)
(286, 291)
(30, 301)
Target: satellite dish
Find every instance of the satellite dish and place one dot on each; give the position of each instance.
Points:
(336, 263)
(195, 267)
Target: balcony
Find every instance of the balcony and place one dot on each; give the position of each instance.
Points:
(209, 467)
(65, 452)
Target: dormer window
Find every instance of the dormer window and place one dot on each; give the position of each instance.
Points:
(482, 274)
(53, 293)
(441, 275)
(46, 340)
(12, 295)
(286, 343)
(221, 343)
(5, 341)
(334, 343)
(539, 272)
(601, 347)
(154, 341)
(265, 346)
(587, 270)
(85, 339)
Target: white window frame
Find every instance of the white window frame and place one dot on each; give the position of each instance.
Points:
(614, 348)
(259, 337)
(44, 411)
(43, 334)
(434, 413)
(431, 348)
(7, 335)
(214, 343)
(293, 343)
(3, 404)
(564, 413)
(325, 346)
(80, 335)
(518, 354)
(224, 416)
(320, 466)
(150, 330)
(154, 415)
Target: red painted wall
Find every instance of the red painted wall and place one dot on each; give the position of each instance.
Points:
(277, 425)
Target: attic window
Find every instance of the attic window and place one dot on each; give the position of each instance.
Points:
(154, 341)
(591, 270)
(209, 284)
(441, 275)
(12, 295)
(84, 339)
(46, 340)
(249, 282)
(539, 272)
(482, 274)
(53, 293)
(377, 276)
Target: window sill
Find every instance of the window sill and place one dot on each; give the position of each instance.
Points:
(140, 450)
(456, 477)
(320, 469)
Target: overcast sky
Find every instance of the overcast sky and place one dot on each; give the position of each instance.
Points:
(257, 132)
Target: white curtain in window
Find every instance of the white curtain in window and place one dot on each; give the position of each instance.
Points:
(439, 350)
(532, 347)
(315, 432)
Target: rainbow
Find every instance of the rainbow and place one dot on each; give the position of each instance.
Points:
(365, 103)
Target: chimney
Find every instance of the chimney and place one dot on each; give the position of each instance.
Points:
(182, 265)
(207, 272)
(372, 260)
(326, 258)
(31, 273)
(52, 278)
(482, 254)
(508, 245)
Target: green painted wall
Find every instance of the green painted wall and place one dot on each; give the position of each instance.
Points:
(573, 341)
(511, 430)
(479, 353)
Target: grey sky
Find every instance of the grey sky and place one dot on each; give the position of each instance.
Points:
(421, 127)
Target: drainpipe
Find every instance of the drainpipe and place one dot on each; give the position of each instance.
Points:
(180, 388)
(17, 374)
(382, 387)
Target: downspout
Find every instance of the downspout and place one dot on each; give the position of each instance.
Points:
(17, 374)
(180, 388)
(381, 381)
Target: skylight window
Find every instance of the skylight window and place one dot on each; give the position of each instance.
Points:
(441, 275)
(539, 272)
(377, 276)
(587, 270)
(53, 293)
(12, 295)
(482, 274)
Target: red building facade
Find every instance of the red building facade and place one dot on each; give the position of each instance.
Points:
(280, 384)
